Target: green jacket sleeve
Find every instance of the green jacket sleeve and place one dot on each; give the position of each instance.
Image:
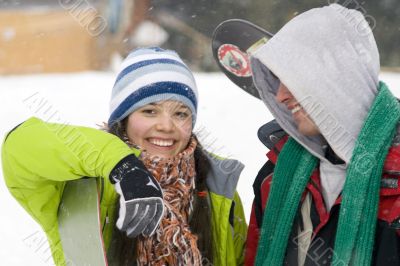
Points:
(240, 230)
(38, 158)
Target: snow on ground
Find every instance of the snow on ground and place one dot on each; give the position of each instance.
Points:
(227, 124)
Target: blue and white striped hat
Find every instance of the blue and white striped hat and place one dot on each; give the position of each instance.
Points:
(150, 75)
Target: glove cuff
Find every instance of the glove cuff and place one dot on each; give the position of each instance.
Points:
(123, 167)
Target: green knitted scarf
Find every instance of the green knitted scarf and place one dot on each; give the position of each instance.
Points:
(360, 195)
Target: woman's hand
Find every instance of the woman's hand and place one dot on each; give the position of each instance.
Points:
(141, 198)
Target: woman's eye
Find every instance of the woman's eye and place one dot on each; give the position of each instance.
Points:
(149, 111)
(182, 115)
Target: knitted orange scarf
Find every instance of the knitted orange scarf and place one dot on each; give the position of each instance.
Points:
(173, 243)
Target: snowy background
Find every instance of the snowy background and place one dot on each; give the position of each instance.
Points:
(227, 124)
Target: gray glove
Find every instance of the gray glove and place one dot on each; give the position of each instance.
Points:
(141, 199)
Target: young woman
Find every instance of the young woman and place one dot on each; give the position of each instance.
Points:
(180, 208)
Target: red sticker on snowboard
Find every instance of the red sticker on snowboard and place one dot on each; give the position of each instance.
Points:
(234, 60)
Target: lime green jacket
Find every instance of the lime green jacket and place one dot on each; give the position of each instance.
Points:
(38, 159)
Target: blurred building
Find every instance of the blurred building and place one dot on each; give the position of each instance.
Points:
(61, 36)
(39, 36)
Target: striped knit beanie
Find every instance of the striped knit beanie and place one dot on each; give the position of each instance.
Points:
(150, 75)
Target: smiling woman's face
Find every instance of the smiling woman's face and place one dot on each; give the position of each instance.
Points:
(162, 128)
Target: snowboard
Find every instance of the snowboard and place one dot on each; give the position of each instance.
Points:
(232, 42)
(79, 224)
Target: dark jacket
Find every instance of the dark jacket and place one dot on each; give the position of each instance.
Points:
(387, 239)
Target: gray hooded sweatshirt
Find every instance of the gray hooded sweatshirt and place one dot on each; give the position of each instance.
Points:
(328, 59)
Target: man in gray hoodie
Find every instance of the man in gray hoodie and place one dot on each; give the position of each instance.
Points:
(330, 193)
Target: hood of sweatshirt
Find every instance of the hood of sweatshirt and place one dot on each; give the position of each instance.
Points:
(328, 59)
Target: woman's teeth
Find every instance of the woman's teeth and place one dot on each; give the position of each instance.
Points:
(296, 109)
(162, 143)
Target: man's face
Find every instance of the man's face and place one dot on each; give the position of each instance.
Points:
(303, 121)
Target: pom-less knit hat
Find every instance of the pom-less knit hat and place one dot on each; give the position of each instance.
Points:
(150, 75)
